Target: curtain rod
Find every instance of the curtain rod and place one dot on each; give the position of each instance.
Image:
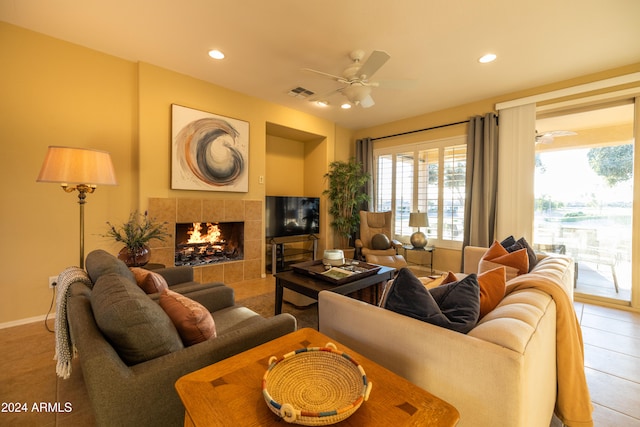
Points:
(420, 130)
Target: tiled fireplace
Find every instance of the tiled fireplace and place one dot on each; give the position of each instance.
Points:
(238, 258)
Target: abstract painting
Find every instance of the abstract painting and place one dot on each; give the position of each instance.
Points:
(209, 152)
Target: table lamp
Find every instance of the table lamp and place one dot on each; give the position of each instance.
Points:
(84, 168)
(418, 219)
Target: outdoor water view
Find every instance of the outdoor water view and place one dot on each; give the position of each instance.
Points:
(584, 209)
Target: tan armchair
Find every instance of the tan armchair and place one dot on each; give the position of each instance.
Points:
(372, 223)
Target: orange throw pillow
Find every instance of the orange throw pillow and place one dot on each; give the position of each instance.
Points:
(192, 320)
(149, 281)
(492, 286)
(516, 263)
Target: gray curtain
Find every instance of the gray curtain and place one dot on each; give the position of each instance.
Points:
(364, 156)
(481, 182)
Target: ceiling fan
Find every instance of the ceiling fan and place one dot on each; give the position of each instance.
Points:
(549, 136)
(357, 78)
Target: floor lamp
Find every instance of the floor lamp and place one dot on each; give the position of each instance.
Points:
(78, 169)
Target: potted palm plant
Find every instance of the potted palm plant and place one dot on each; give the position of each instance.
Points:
(136, 233)
(346, 195)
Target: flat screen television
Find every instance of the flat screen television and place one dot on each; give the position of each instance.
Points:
(291, 216)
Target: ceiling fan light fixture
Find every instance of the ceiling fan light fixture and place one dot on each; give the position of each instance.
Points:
(356, 92)
(216, 54)
(489, 57)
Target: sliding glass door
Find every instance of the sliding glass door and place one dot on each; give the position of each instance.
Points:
(584, 195)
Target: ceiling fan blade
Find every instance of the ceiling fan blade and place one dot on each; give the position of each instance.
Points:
(555, 133)
(376, 60)
(367, 102)
(544, 139)
(549, 136)
(331, 76)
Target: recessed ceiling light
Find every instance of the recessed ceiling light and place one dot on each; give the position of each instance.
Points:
(322, 103)
(345, 106)
(216, 54)
(489, 57)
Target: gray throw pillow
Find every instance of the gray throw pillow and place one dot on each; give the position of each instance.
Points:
(380, 242)
(100, 262)
(136, 326)
(454, 306)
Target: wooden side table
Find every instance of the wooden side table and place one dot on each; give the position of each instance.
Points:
(153, 266)
(229, 392)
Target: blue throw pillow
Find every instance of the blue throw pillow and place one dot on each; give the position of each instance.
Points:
(454, 306)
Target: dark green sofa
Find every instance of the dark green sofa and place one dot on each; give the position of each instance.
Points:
(143, 394)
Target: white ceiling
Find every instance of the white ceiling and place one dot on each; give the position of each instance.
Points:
(436, 43)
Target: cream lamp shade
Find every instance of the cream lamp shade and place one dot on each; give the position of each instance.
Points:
(418, 219)
(77, 166)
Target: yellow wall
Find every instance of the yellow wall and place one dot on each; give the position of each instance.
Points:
(57, 93)
(285, 167)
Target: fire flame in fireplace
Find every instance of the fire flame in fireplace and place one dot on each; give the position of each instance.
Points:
(212, 236)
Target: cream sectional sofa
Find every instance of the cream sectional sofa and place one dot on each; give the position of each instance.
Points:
(502, 373)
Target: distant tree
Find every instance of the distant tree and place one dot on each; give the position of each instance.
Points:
(541, 167)
(614, 164)
(546, 203)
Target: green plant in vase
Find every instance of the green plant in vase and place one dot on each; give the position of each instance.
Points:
(136, 234)
(346, 195)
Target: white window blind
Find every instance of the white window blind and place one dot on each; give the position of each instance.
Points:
(426, 177)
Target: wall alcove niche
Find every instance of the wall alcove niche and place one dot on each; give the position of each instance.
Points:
(296, 162)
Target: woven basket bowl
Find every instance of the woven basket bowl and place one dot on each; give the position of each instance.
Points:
(315, 386)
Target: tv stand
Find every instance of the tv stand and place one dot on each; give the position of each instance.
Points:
(283, 253)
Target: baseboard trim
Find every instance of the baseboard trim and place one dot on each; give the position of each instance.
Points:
(27, 321)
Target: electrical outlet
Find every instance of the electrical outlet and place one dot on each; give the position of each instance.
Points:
(52, 281)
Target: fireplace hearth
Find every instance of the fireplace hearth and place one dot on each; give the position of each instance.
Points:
(209, 243)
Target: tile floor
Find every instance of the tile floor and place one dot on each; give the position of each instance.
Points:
(612, 363)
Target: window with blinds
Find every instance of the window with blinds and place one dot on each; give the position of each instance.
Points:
(427, 177)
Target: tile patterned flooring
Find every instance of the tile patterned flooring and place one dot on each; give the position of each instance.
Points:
(612, 363)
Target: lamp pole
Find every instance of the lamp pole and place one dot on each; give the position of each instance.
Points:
(82, 189)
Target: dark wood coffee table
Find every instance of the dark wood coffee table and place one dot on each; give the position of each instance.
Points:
(229, 393)
(310, 286)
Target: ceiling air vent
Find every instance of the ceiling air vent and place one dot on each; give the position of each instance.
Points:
(300, 92)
